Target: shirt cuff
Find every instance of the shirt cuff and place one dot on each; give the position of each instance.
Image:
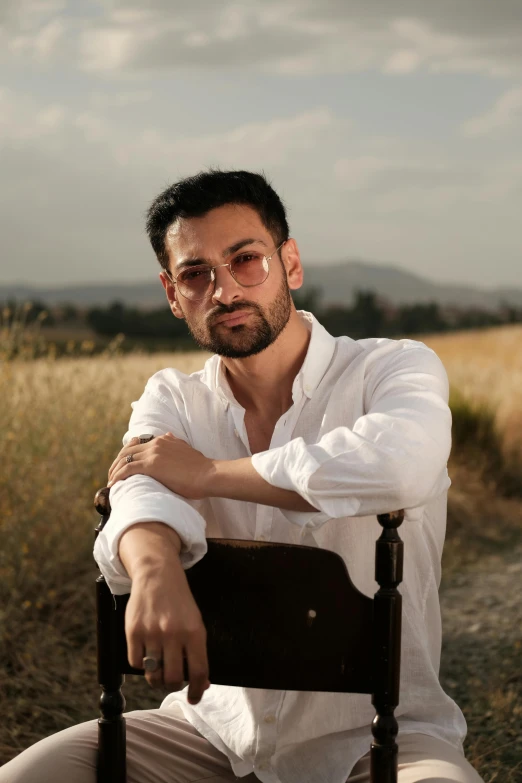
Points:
(292, 467)
(141, 498)
(309, 520)
(272, 467)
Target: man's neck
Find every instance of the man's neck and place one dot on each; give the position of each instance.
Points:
(262, 384)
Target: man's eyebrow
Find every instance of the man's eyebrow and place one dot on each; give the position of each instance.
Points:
(238, 245)
(227, 252)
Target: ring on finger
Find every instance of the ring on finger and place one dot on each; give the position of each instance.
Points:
(129, 458)
(152, 664)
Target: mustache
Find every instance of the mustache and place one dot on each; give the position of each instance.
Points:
(228, 309)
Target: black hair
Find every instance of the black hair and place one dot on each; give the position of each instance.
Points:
(197, 195)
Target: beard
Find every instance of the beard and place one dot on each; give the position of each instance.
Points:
(245, 339)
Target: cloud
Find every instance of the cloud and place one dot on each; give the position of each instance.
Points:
(79, 181)
(505, 115)
(282, 36)
(39, 45)
(271, 143)
(419, 181)
(104, 100)
(107, 128)
(23, 120)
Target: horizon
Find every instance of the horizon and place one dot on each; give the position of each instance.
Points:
(317, 265)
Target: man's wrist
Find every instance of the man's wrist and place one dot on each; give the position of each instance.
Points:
(237, 479)
(145, 546)
(148, 568)
(213, 485)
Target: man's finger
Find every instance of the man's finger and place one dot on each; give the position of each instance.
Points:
(131, 448)
(132, 442)
(155, 679)
(172, 664)
(197, 661)
(126, 469)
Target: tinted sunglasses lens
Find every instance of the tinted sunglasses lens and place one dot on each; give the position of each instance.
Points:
(196, 282)
(250, 269)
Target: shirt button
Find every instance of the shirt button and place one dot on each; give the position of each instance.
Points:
(270, 718)
(261, 538)
(236, 433)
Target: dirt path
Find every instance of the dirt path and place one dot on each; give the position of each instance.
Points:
(481, 668)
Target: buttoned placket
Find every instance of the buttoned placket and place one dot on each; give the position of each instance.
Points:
(273, 700)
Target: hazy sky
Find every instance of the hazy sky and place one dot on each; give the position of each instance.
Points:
(391, 129)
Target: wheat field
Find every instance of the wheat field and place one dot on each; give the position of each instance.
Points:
(486, 368)
(61, 424)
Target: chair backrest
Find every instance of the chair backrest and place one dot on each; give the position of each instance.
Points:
(283, 617)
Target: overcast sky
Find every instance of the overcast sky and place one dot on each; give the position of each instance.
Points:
(391, 129)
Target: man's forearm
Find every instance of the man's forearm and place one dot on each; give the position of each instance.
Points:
(146, 544)
(238, 480)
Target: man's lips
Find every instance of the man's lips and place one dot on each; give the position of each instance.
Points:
(231, 319)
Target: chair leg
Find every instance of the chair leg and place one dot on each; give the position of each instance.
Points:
(384, 756)
(112, 746)
(111, 757)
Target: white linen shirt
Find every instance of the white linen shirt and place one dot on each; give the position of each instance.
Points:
(369, 431)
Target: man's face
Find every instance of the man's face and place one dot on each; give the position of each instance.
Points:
(261, 312)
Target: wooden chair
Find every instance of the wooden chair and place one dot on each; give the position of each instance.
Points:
(277, 616)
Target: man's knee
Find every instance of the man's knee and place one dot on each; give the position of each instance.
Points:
(68, 755)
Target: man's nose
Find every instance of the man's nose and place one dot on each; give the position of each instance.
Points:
(226, 289)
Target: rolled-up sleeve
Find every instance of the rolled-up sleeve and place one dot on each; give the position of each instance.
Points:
(395, 456)
(140, 498)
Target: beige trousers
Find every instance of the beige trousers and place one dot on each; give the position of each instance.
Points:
(163, 747)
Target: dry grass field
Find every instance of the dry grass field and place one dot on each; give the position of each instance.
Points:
(62, 421)
(485, 366)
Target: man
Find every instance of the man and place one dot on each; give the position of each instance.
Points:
(288, 435)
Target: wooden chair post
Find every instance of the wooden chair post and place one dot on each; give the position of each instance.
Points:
(387, 649)
(112, 751)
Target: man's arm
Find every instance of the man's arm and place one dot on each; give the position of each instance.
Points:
(141, 500)
(238, 480)
(394, 457)
(162, 619)
(151, 536)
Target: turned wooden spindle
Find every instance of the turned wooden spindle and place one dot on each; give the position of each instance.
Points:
(102, 505)
(387, 648)
(111, 723)
(111, 763)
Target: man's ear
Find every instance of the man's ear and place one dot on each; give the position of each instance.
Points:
(172, 295)
(292, 264)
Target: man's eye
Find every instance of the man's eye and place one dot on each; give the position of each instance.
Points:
(193, 274)
(246, 258)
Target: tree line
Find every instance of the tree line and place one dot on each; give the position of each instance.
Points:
(370, 315)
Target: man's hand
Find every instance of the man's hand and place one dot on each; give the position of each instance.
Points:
(167, 459)
(162, 618)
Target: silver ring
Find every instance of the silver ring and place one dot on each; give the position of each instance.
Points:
(129, 458)
(151, 664)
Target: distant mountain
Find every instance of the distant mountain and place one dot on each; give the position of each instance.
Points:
(337, 281)
(399, 286)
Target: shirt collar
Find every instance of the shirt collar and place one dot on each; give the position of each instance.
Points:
(318, 357)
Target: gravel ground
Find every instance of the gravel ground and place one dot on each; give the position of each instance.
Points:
(481, 659)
